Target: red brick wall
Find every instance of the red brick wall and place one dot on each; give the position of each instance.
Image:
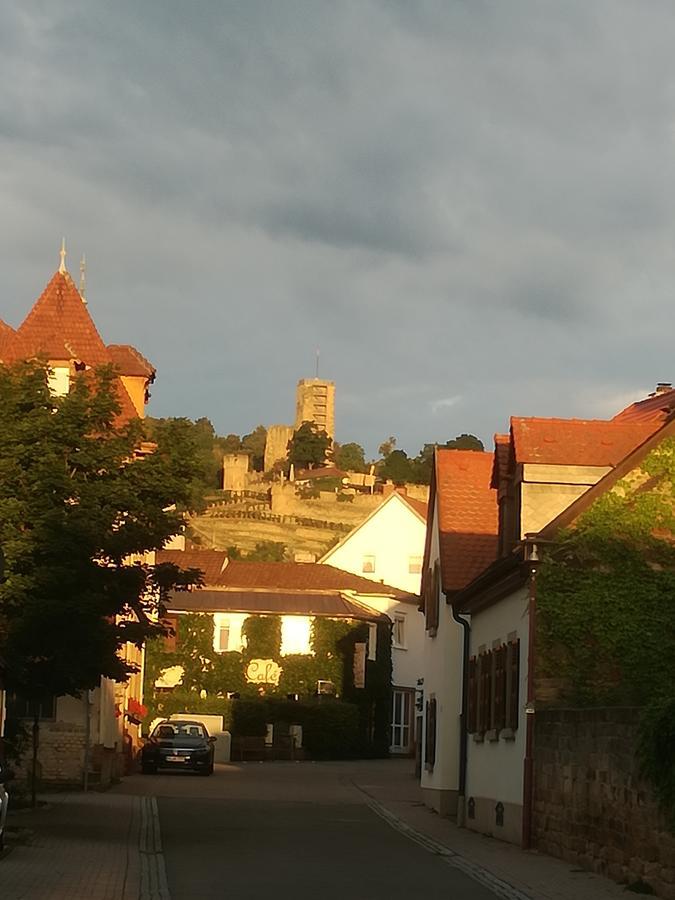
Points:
(591, 807)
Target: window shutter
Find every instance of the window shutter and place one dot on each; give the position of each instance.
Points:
(500, 688)
(485, 668)
(170, 622)
(471, 724)
(430, 743)
(514, 683)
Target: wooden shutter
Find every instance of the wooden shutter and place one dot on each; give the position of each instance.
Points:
(430, 743)
(472, 711)
(432, 600)
(514, 684)
(485, 669)
(499, 705)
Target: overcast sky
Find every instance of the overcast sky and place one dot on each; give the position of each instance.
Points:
(468, 206)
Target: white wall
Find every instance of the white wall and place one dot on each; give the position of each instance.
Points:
(495, 768)
(443, 679)
(392, 534)
(407, 661)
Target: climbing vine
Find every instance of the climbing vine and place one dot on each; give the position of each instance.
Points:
(606, 607)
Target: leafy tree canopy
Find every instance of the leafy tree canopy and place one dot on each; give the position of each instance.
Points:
(309, 446)
(75, 507)
(254, 444)
(398, 467)
(387, 446)
(350, 457)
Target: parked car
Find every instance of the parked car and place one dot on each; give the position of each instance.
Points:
(4, 802)
(179, 744)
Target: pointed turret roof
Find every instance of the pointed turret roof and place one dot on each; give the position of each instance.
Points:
(58, 327)
(6, 334)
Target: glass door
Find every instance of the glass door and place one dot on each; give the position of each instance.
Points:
(401, 720)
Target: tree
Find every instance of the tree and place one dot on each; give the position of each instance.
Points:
(254, 445)
(387, 446)
(76, 505)
(309, 446)
(267, 551)
(465, 442)
(397, 467)
(350, 457)
(229, 444)
(204, 446)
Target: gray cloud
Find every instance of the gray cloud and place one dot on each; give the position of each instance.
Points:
(449, 198)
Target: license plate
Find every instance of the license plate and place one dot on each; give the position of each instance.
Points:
(176, 759)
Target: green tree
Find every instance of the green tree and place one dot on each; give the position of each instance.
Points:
(309, 446)
(350, 457)
(75, 506)
(267, 551)
(254, 445)
(229, 444)
(204, 450)
(465, 442)
(397, 467)
(386, 447)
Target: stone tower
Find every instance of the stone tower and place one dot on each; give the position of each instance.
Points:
(315, 402)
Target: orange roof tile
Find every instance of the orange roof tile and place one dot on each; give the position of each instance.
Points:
(656, 407)
(467, 515)
(59, 327)
(129, 361)
(577, 442)
(6, 334)
(282, 576)
(500, 466)
(419, 506)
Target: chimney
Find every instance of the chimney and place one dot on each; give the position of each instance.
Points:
(388, 488)
(663, 387)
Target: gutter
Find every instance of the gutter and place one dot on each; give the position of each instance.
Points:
(532, 557)
(463, 724)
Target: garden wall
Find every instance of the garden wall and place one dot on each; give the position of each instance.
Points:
(591, 806)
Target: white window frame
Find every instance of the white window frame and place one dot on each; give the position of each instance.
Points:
(399, 618)
(368, 564)
(220, 628)
(415, 565)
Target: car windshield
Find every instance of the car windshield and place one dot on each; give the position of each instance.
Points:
(169, 730)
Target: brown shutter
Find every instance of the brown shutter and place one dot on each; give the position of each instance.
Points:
(170, 622)
(499, 706)
(485, 691)
(472, 711)
(430, 743)
(432, 600)
(514, 684)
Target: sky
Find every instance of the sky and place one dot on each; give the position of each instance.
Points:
(466, 206)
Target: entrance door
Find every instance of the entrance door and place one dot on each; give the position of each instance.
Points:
(401, 720)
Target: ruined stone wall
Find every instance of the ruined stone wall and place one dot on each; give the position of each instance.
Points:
(591, 806)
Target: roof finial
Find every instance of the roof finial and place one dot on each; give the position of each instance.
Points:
(62, 254)
(83, 279)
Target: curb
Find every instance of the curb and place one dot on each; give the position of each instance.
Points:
(500, 888)
(154, 885)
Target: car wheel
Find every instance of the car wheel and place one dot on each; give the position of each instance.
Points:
(207, 771)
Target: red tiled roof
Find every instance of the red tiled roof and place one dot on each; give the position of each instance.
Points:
(129, 361)
(211, 562)
(657, 407)
(420, 507)
(500, 466)
(330, 603)
(276, 576)
(467, 515)
(6, 334)
(577, 442)
(59, 327)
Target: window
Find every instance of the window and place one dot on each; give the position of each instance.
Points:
(21, 707)
(401, 721)
(368, 565)
(296, 635)
(494, 677)
(223, 637)
(414, 565)
(398, 631)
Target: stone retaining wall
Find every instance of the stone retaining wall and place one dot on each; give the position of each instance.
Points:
(591, 806)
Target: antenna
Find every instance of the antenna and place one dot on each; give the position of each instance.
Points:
(317, 362)
(83, 278)
(62, 254)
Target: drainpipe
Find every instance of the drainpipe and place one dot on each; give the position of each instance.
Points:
(532, 559)
(463, 725)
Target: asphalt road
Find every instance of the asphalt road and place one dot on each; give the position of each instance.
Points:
(289, 831)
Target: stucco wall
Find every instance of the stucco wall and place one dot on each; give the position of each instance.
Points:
(495, 767)
(442, 679)
(547, 490)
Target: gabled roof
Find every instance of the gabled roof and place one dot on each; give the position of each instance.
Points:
(502, 455)
(6, 334)
(307, 603)
(656, 407)
(577, 442)
(467, 514)
(276, 576)
(417, 507)
(58, 327)
(128, 361)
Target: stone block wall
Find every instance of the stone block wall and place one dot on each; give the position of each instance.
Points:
(591, 806)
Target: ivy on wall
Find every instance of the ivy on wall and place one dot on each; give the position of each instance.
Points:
(606, 608)
(218, 674)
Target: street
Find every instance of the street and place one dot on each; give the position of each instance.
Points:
(288, 830)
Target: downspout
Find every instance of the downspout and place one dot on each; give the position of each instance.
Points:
(463, 725)
(532, 559)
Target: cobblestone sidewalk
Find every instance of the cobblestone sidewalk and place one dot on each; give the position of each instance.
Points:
(82, 847)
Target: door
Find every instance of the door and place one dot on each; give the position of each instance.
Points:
(401, 721)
